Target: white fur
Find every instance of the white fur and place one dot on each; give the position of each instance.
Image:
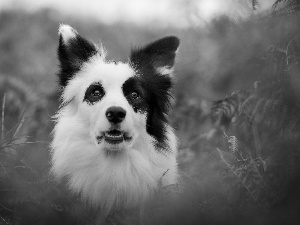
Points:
(105, 179)
(165, 70)
(66, 32)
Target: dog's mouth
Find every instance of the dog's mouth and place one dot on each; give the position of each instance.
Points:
(114, 137)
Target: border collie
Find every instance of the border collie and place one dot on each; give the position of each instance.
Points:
(112, 140)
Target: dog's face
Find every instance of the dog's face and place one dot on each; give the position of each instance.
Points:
(117, 102)
(112, 104)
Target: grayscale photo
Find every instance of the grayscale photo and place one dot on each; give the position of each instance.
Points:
(150, 112)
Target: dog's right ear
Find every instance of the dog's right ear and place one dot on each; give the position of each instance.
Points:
(73, 51)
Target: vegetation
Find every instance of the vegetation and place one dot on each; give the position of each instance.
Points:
(239, 155)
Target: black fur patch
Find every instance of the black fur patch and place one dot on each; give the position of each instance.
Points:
(156, 87)
(72, 55)
(135, 85)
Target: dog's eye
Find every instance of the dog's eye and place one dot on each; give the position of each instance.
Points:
(134, 95)
(94, 93)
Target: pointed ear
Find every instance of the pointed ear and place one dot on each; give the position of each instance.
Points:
(159, 56)
(73, 51)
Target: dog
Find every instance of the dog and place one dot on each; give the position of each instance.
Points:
(112, 141)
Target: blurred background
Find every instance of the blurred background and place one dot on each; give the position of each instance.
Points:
(225, 46)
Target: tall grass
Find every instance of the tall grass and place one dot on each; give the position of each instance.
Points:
(28, 196)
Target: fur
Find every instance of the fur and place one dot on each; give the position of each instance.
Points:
(124, 175)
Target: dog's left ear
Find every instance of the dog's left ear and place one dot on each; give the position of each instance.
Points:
(73, 51)
(158, 56)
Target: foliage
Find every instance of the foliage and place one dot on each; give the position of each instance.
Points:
(285, 7)
(262, 149)
(281, 7)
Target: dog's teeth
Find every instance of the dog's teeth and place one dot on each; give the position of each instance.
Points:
(114, 136)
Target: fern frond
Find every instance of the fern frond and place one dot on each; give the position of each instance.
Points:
(293, 52)
(2, 116)
(233, 144)
(281, 7)
(250, 177)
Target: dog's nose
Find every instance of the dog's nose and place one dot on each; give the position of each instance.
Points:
(115, 114)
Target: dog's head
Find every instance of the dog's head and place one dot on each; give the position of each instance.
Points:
(112, 140)
(115, 101)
